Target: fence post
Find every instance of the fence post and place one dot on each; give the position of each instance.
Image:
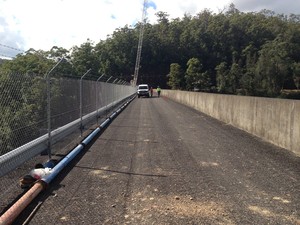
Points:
(106, 97)
(80, 89)
(49, 105)
(97, 93)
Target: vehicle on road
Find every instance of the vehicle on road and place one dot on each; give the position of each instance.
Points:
(143, 90)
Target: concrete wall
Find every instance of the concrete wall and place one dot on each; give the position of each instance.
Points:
(274, 120)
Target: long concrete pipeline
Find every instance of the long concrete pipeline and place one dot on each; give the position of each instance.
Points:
(14, 211)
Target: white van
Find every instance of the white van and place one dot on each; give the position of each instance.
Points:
(143, 90)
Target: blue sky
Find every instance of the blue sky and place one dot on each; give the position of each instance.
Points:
(42, 24)
(151, 4)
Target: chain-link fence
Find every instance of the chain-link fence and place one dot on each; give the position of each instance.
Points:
(39, 118)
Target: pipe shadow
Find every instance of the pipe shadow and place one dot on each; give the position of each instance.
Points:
(122, 172)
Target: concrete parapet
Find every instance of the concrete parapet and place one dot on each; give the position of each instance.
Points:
(274, 120)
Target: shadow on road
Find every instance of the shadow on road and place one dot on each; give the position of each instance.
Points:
(123, 172)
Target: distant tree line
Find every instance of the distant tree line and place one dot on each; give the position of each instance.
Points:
(255, 53)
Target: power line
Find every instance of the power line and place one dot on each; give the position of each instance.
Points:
(16, 49)
(9, 47)
(6, 56)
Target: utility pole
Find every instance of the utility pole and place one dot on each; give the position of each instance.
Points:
(140, 44)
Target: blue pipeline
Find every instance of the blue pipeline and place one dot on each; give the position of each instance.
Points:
(62, 164)
(105, 123)
(89, 138)
(67, 159)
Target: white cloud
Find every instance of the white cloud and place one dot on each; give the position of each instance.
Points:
(279, 6)
(67, 22)
(177, 8)
(41, 24)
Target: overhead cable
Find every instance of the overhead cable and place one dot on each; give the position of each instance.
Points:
(16, 49)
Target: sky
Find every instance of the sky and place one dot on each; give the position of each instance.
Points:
(42, 24)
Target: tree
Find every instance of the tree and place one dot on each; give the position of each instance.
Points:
(194, 77)
(84, 58)
(23, 96)
(22, 107)
(34, 62)
(222, 77)
(296, 74)
(175, 76)
(273, 66)
(249, 55)
(234, 78)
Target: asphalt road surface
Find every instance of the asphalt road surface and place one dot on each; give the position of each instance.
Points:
(160, 162)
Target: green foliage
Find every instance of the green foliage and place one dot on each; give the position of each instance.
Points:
(222, 77)
(234, 78)
(296, 74)
(195, 78)
(175, 76)
(83, 58)
(247, 80)
(193, 73)
(33, 62)
(22, 101)
(273, 66)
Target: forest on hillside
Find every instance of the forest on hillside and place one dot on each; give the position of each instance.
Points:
(232, 52)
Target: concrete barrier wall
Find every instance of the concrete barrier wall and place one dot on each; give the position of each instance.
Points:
(274, 120)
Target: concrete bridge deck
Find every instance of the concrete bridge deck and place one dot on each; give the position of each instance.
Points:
(160, 162)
